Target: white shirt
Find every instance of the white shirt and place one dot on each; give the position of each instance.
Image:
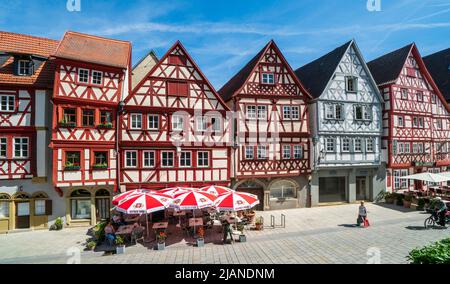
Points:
(362, 211)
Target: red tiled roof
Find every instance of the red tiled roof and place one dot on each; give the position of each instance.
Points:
(93, 49)
(12, 43)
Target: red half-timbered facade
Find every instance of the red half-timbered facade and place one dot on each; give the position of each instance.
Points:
(272, 147)
(174, 130)
(416, 118)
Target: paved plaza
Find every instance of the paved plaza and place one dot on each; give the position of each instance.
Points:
(312, 235)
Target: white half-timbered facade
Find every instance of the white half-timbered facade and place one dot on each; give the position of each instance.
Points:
(174, 130)
(346, 126)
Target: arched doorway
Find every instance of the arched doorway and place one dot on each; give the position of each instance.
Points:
(253, 187)
(80, 205)
(102, 204)
(22, 205)
(5, 201)
(283, 194)
(42, 209)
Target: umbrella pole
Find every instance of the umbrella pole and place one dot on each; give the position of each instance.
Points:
(146, 225)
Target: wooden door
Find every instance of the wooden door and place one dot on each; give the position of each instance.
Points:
(23, 215)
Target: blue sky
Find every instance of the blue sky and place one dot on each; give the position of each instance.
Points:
(222, 35)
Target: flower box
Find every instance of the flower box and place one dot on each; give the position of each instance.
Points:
(242, 238)
(200, 242)
(72, 168)
(105, 126)
(100, 167)
(120, 249)
(160, 246)
(67, 124)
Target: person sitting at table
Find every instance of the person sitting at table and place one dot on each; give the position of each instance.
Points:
(227, 231)
(118, 220)
(110, 233)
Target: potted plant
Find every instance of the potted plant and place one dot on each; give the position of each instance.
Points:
(120, 245)
(242, 237)
(69, 166)
(161, 241)
(407, 200)
(91, 244)
(259, 224)
(100, 166)
(251, 216)
(399, 199)
(58, 225)
(200, 237)
(105, 125)
(389, 198)
(64, 123)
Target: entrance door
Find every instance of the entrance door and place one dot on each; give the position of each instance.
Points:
(361, 188)
(23, 215)
(102, 208)
(332, 189)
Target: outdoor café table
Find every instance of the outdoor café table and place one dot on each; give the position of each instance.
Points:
(125, 230)
(179, 214)
(195, 222)
(132, 220)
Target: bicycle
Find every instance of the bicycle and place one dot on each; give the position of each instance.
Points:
(434, 219)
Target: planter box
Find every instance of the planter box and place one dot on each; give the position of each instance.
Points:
(160, 246)
(72, 168)
(68, 125)
(242, 238)
(200, 242)
(103, 126)
(99, 167)
(120, 249)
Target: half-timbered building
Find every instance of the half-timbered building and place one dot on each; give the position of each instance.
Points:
(174, 130)
(271, 148)
(346, 126)
(91, 78)
(415, 118)
(26, 76)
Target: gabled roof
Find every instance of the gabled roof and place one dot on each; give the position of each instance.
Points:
(316, 74)
(94, 49)
(25, 45)
(386, 68)
(141, 68)
(189, 58)
(438, 64)
(237, 81)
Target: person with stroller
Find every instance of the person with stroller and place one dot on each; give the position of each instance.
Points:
(362, 214)
(441, 211)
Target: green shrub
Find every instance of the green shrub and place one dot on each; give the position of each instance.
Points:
(58, 225)
(437, 253)
(399, 199)
(99, 231)
(90, 245)
(420, 204)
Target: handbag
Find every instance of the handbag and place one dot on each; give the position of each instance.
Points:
(366, 222)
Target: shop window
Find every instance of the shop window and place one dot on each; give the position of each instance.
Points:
(283, 189)
(4, 205)
(80, 204)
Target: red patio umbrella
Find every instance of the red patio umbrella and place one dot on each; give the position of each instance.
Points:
(236, 201)
(172, 191)
(120, 197)
(216, 190)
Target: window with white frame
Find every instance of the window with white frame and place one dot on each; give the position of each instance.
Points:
(345, 144)
(167, 158)
(262, 152)
(357, 145)
(39, 207)
(404, 94)
(97, 77)
(202, 123)
(3, 147)
(286, 151)
(351, 84)
(330, 144)
(401, 147)
(268, 78)
(420, 148)
(177, 122)
(136, 121)
(439, 124)
(433, 99)
(262, 112)
(21, 147)
(249, 151)
(83, 75)
(298, 152)
(185, 159)
(419, 96)
(333, 111)
(216, 124)
(7, 103)
(362, 112)
(149, 159)
(130, 159)
(370, 145)
(203, 159)
(25, 68)
(400, 183)
(407, 148)
(153, 122)
(400, 121)
(291, 112)
(251, 112)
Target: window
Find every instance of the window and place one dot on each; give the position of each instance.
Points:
(338, 111)
(4, 206)
(185, 159)
(83, 75)
(329, 144)
(3, 147)
(357, 145)
(262, 152)
(410, 72)
(202, 123)
(21, 147)
(345, 144)
(153, 121)
(298, 152)
(149, 159)
(203, 159)
(72, 159)
(136, 121)
(418, 122)
(251, 112)
(80, 204)
(362, 112)
(101, 159)
(333, 111)
(283, 189)
(39, 207)
(177, 89)
(351, 84)
(97, 77)
(249, 152)
(105, 117)
(369, 145)
(401, 148)
(407, 148)
(398, 182)
(400, 121)
(419, 96)
(130, 159)
(25, 68)
(262, 112)
(177, 59)
(177, 122)
(216, 124)
(268, 78)
(70, 115)
(167, 159)
(7, 103)
(439, 123)
(329, 111)
(433, 99)
(404, 95)
(286, 151)
(88, 117)
(291, 112)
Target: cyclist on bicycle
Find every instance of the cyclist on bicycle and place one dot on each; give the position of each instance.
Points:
(441, 210)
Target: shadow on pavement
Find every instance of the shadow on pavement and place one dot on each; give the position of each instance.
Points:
(395, 207)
